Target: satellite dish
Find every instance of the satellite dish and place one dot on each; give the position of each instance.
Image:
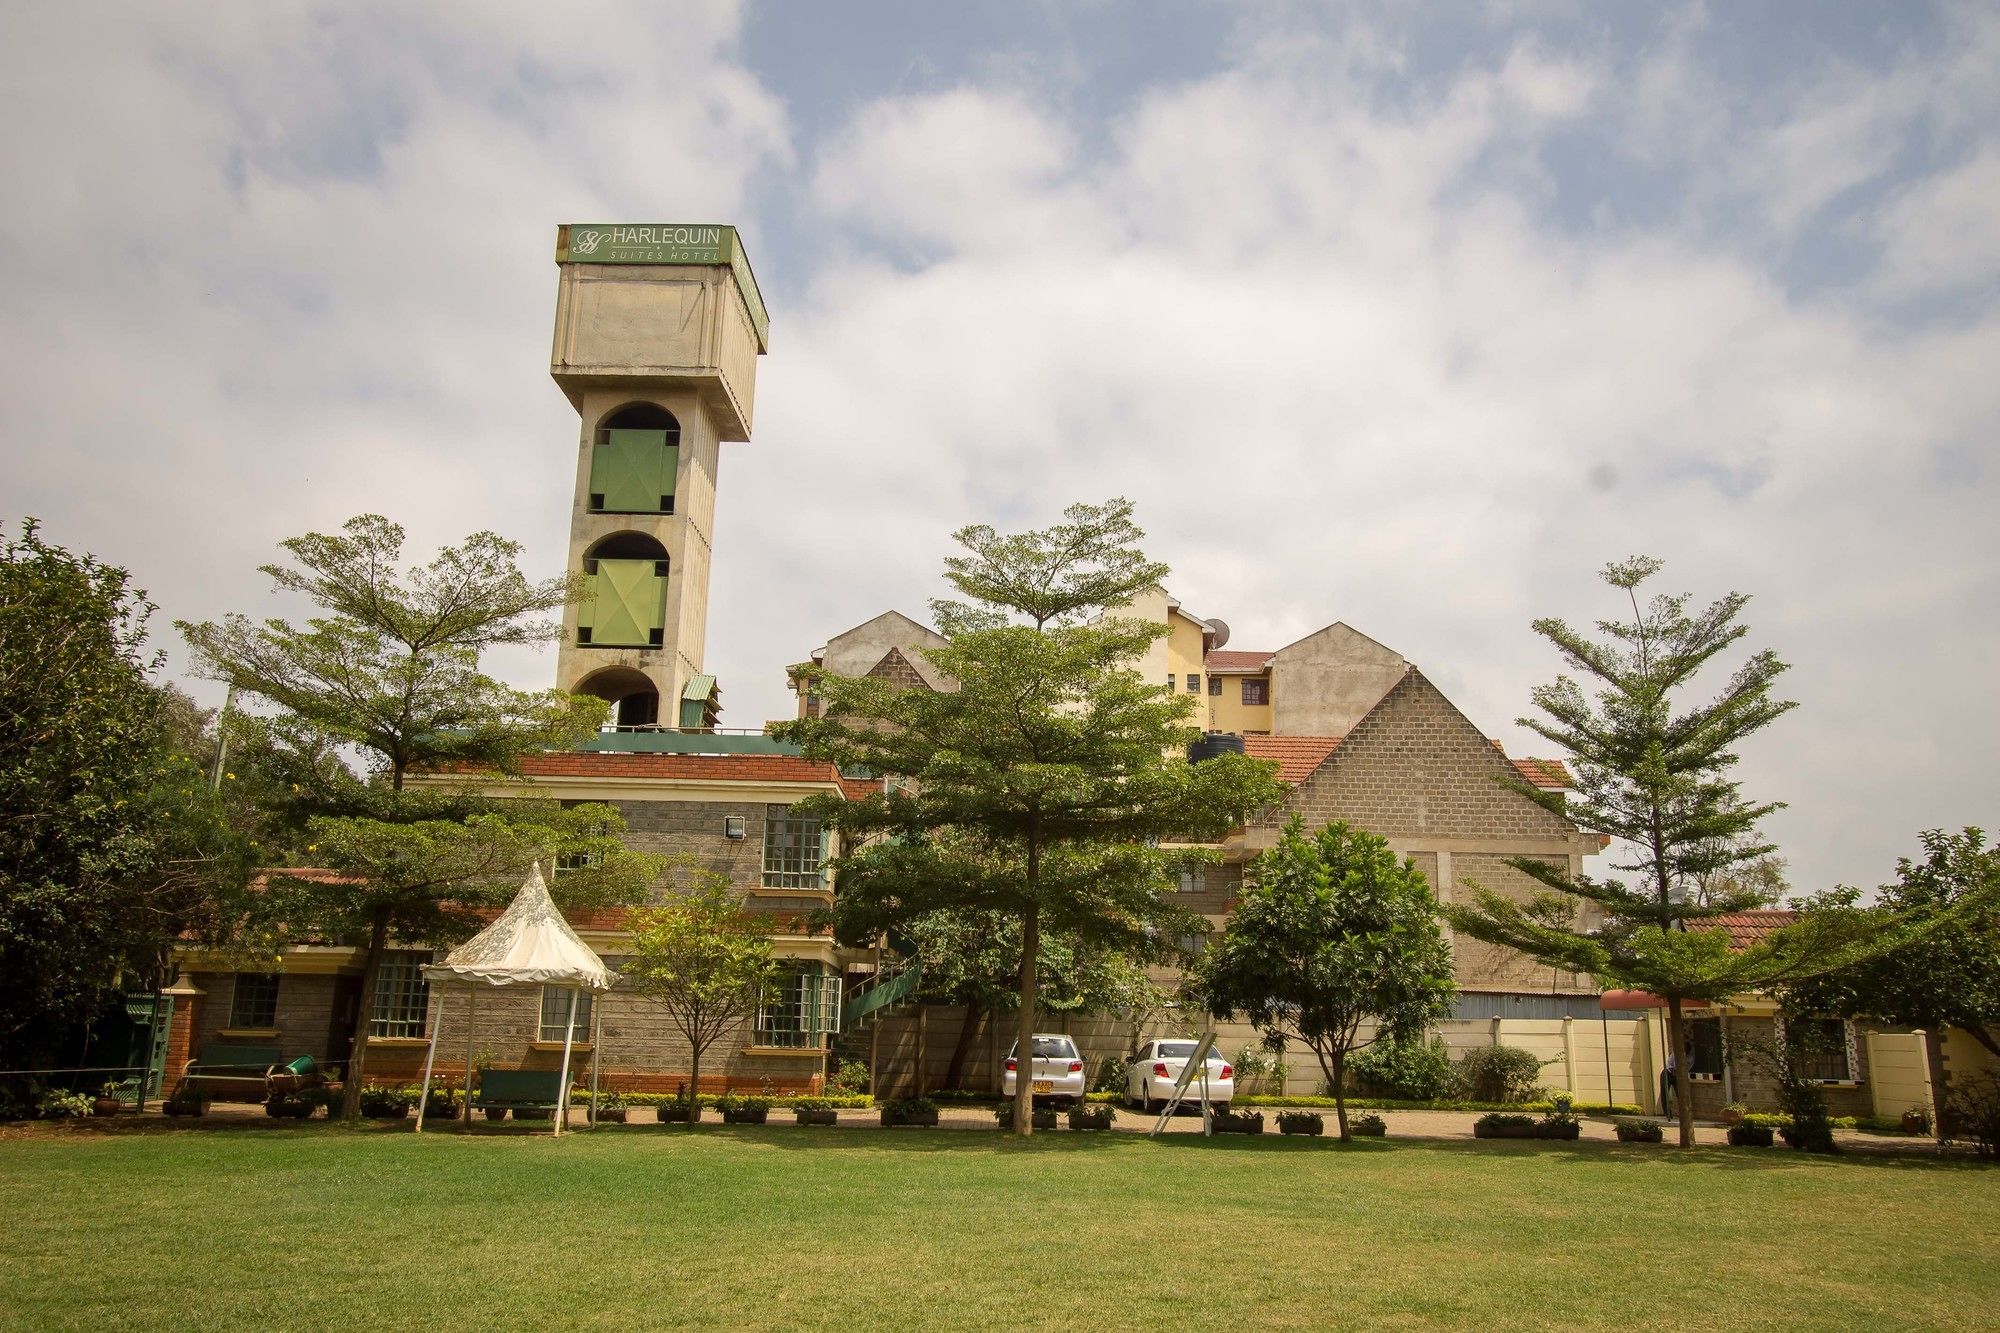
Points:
(1221, 631)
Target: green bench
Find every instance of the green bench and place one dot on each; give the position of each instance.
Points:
(229, 1063)
(518, 1089)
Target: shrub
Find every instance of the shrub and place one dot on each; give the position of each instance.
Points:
(1091, 1117)
(1749, 1136)
(1110, 1075)
(1041, 1117)
(1972, 1113)
(910, 1111)
(385, 1103)
(1417, 1071)
(1560, 1121)
(742, 1110)
(1239, 1122)
(1502, 1125)
(851, 1077)
(1639, 1131)
(1371, 1125)
(1301, 1122)
(1500, 1073)
(58, 1105)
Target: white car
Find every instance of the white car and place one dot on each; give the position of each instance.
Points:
(1058, 1075)
(1150, 1076)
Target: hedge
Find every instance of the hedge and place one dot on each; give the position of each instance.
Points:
(1388, 1104)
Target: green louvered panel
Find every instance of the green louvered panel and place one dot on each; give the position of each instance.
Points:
(627, 602)
(632, 472)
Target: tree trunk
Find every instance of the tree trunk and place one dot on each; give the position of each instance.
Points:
(1338, 1077)
(1024, 1039)
(364, 1015)
(694, 1086)
(954, 1072)
(1677, 1040)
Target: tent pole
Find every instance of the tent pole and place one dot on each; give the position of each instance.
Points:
(471, 1011)
(596, 1054)
(430, 1057)
(562, 1090)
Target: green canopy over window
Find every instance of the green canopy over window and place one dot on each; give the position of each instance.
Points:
(632, 472)
(625, 603)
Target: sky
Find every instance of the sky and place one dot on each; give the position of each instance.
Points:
(1412, 317)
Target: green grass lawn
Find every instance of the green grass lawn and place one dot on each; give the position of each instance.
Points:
(317, 1226)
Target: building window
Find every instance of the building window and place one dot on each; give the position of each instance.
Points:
(1826, 1048)
(555, 1013)
(1215, 687)
(1193, 682)
(1193, 881)
(1706, 1036)
(1256, 691)
(801, 1007)
(255, 1002)
(401, 995)
(794, 846)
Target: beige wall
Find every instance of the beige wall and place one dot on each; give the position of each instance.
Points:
(1228, 712)
(1326, 682)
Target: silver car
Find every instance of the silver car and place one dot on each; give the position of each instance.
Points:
(1058, 1074)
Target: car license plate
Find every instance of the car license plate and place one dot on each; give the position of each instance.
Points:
(1045, 1085)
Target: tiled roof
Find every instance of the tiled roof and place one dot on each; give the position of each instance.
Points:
(1748, 928)
(1230, 659)
(1297, 756)
(780, 768)
(1543, 772)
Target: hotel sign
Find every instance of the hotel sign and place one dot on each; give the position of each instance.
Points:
(666, 243)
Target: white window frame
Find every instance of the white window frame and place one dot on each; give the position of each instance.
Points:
(809, 1007)
(405, 1011)
(556, 1029)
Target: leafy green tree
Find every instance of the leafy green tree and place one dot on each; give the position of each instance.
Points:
(1652, 772)
(388, 672)
(1947, 973)
(1043, 787)
(1332, 933)
(971, 958)
(705, 958)
(111, 843)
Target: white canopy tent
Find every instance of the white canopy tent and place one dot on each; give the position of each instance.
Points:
(530, 944)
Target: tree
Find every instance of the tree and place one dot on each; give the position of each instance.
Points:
(1043, 787)
(971, 958)
(1947, 972)
(704, 958)
(1652, 773)
(111, 843)
(389, 671)
(1332, 932)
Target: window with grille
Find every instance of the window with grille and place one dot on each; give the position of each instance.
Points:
(401, 995)
(1193, 881)
(1215, 686)
(1825, 1054)
(255, 1001)
(801, 1007)
(1706, 1037)
(1193, 683)
(794, 846)
(1256, 691)
(555, 1013)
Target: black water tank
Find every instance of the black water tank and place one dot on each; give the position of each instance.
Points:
(1213, 743)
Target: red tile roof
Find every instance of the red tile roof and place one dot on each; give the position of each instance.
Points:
(1748, 928)
(780, 768)
(1543, 772)
(1298, 756)
(1230, 659)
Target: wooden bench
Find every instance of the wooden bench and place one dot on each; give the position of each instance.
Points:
(222, 1063)
(519, 1089)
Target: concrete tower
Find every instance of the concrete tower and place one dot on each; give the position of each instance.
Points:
(658, 331)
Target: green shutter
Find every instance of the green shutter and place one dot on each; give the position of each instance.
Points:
(626, 603)
(633, 471)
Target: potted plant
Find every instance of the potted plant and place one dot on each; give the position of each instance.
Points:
(1733, 1113)
(1637, 1131)
(1085, 1116)
(1371, 1125)
(55, 1105)
(815, 1111)
(1041, 1117)
(380, 1103)
(441, 1103)
(1917, 1120)
(1301, 1122)
(1238, 1122)
(1561, 1121)
(1503, 1125)
(910, 1111)
(1749, 1136)
(611, 1108)
(681, 1109)
(107, 1101)
(743, 1110)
